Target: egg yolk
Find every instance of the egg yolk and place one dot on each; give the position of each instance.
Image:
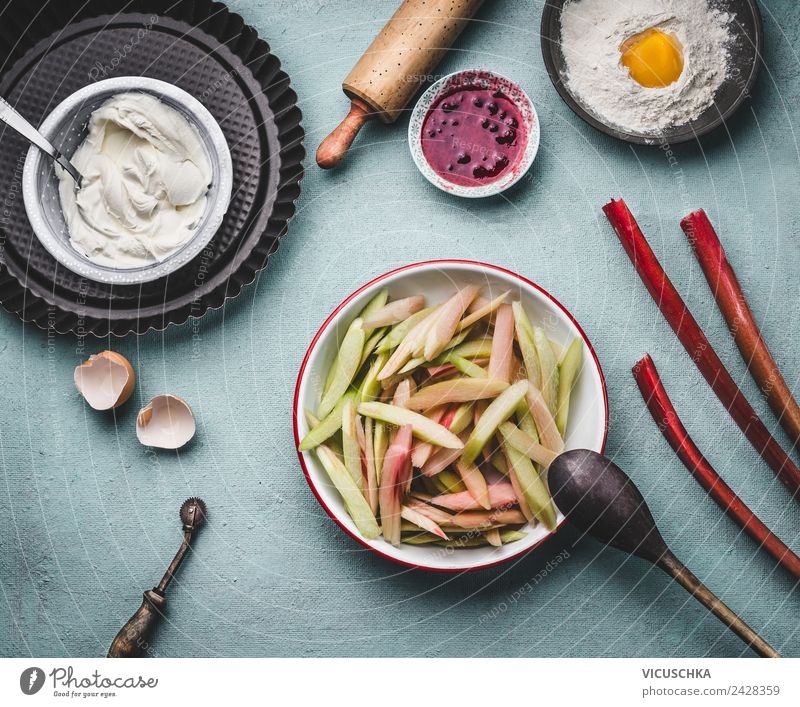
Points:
(654, 59)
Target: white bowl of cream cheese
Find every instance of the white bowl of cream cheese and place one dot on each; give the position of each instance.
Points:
(157, 181)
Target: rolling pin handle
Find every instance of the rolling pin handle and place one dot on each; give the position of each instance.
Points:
(133, 639)
(333, 148)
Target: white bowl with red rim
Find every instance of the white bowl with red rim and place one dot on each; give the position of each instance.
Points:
(437, 280)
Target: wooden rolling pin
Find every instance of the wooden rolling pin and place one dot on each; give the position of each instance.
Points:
(395, 65)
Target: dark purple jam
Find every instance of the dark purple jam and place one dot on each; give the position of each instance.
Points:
(472, 136)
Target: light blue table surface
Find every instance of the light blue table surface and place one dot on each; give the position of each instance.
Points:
(89, 517)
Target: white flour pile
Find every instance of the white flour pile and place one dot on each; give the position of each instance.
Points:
(591, 34)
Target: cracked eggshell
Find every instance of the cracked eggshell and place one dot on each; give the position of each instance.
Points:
(105, 380)
(165, 422)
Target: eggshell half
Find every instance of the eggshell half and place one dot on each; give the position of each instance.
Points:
(105, 380)
(165, 422)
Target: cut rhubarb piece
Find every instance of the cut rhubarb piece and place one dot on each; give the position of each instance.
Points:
(500, 409)
(399, 332)
(375, 304)
(548, 432)
(362, 443)
(698, 346)
(422, 521)
(379, 445)
(402, 393)
(511, 536)
(455, 343)
(548, 367)
(468, 368)
(523, 442)
(568, 372)
(418, 495)
(493, 537)
(435, 514)
(525, 421)
(523, 503)
(433, 485)
(480, 348)
(472, 368)
(412, 365)
(394, 312)
(462, 418)
(423, 450)
(447, 321)
(498, 461)
(371, 386)
(398, 359)
(354, 501)
(346, 366)
(444, 371)
(459, 390)
(449, 415)
(469, 541)
(741, 322)
(522, 322)
(420, 538)
(371, 488)
(502, 345)
(406, 350)
(350, 446)
(501, 495)
(396, 465)
(451, 482)
(421, 337)
(424, 429)
(483, 519)
(370, 345)
(440, 460)
(311, 419)
(483, 311)
(473, 479)
(327, 427)
(532, 487)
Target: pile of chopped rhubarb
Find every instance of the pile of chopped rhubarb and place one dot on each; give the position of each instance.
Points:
(437, 423)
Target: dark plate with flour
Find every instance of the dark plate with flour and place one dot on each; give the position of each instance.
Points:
(746, 51)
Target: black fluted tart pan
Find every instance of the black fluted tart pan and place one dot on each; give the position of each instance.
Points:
(203, 48)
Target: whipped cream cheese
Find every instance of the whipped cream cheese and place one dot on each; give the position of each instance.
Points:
(145, 179)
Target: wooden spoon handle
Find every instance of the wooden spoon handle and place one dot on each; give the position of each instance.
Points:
(333, 148)
(676, 569)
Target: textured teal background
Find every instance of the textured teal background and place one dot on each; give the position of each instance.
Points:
(89, 517)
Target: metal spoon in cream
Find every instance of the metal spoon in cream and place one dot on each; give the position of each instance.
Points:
(145, 179)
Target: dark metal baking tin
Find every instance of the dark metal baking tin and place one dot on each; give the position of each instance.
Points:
(206, 50)
(746, 57)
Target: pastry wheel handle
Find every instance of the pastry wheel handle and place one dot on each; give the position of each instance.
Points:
(134, 638)
(17, 122)
(333, 148)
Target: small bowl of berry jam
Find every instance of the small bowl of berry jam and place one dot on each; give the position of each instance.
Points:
(474, 133)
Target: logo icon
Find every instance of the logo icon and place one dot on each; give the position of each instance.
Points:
(31, 680)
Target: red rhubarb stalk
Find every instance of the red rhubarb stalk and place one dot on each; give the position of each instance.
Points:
(675, 433)
(697, 345)
(731, 300)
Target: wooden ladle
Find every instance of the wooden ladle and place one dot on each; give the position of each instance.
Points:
(600, 499)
